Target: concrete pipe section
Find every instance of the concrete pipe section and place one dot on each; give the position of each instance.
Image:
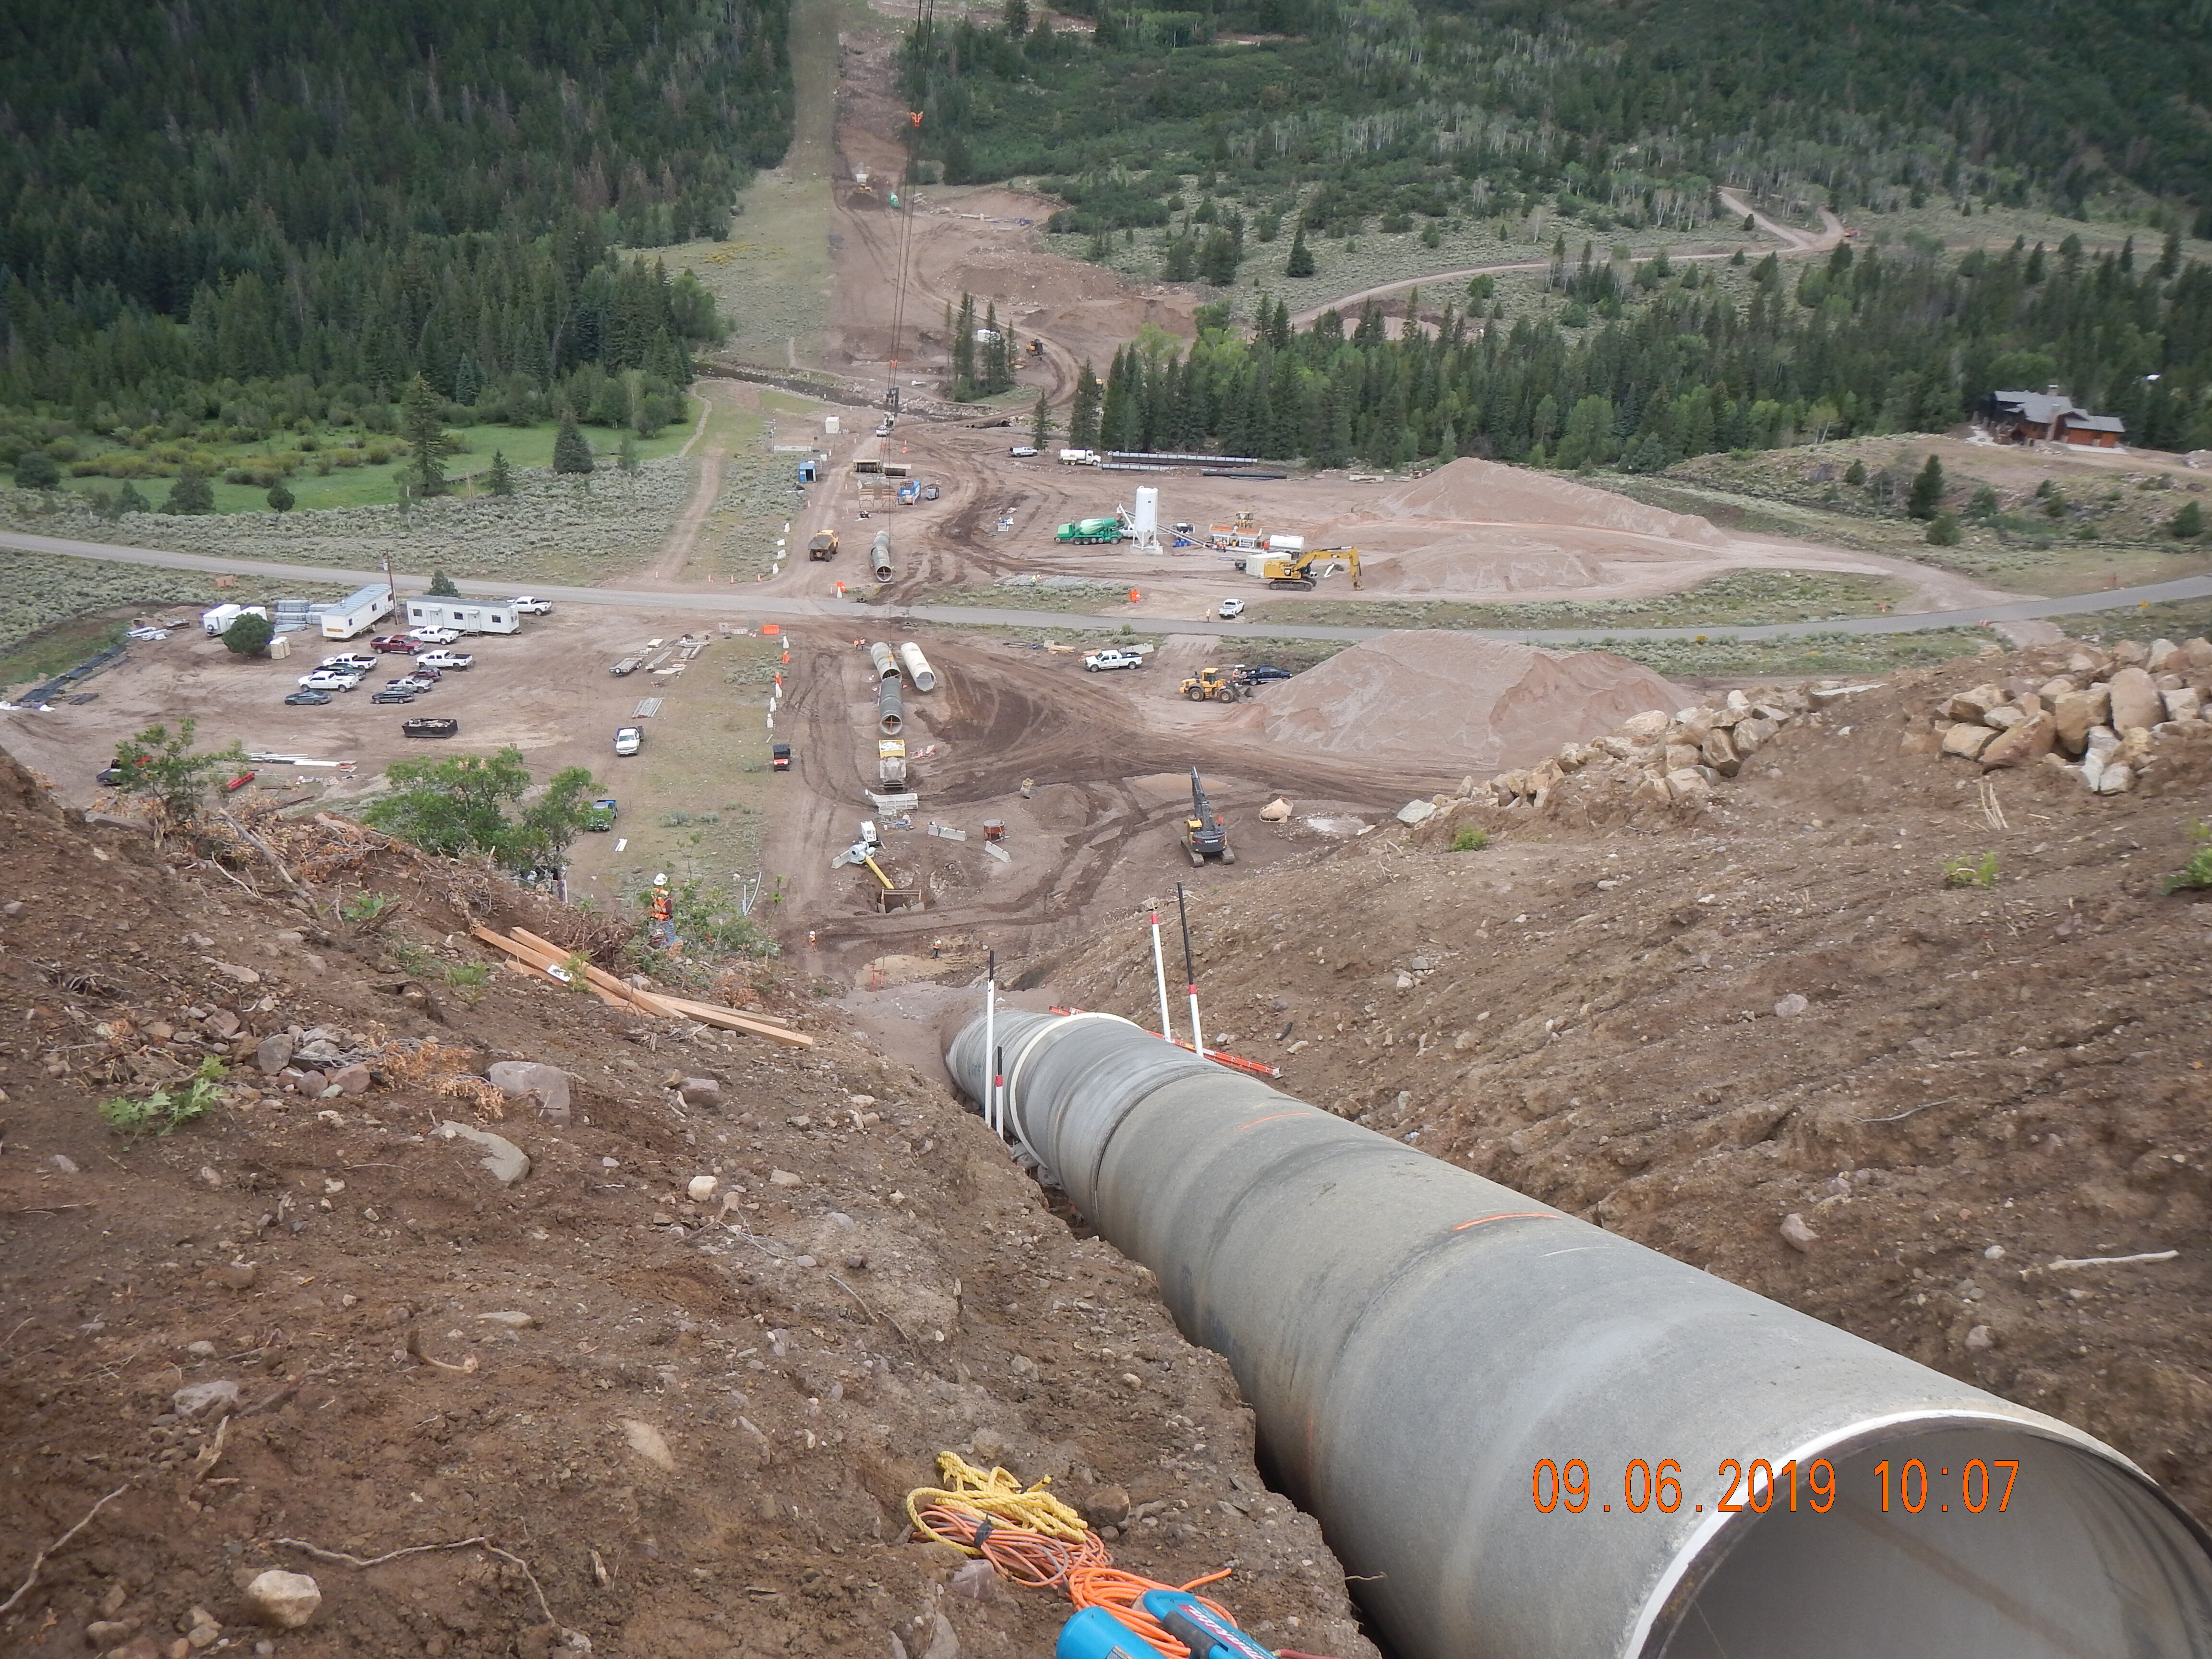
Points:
(1530, 1439)
(880, 654)
(891, 706)
(917, 666)
(879, 555)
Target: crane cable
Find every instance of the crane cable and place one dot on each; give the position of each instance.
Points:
(905, 243)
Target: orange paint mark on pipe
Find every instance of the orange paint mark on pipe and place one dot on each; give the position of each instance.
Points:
(1270, 1118)
(1511, 1215)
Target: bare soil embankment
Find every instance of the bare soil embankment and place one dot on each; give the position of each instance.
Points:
(694, 1420)
(1688, 1022)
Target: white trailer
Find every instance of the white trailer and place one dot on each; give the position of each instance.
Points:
(356, 614)
(467, 616)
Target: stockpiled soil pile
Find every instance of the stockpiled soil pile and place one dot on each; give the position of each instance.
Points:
(1471, 704)
(1477, 527)
(1486, 492)
(678, 1421)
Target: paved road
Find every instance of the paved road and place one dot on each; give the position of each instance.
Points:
(736, 602)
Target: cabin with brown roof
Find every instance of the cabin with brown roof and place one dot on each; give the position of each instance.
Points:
(2049, 416)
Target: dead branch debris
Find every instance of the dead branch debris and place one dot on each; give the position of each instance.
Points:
(39, 1560)
(479, 1541)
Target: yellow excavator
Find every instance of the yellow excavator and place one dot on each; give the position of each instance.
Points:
(1298, 569)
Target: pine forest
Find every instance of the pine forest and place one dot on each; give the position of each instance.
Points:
(242, 214)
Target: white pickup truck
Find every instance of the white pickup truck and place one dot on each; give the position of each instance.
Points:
(1099, 661)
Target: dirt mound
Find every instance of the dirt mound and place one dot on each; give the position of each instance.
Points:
(1486, 492)
(693, 1418)
(1960, 1033)
(1414, 558)
(1478, 705)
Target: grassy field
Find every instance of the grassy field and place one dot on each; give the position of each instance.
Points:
(695, 801)
(362, 468)
(56, 611)
(759, 497)
(1803, 656)
(1374, 258)
(1748, 597)
(2182, 619)
(772, 274)
(1022, 596)
(2108, 529)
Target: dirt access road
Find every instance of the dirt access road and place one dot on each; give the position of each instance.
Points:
(1795, 243)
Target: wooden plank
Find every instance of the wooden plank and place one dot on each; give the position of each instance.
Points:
(648, 1002)
(691, 1007)
(730, 1022)
(599, 977)
(535, 962)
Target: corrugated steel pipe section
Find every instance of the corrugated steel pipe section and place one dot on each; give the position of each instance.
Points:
(917, 666)
(891, 708)
(880, 654)
(879, 555)
(1417, 1341)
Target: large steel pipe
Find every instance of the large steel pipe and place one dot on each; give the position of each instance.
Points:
(917, 666)
(1436, 1360)
(880, 654)
(879, 555)
(891, 708)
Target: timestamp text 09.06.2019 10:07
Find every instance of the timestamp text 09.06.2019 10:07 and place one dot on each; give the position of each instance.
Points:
(1976, 1487)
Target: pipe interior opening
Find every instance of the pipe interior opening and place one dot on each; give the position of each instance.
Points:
(2083, 1561)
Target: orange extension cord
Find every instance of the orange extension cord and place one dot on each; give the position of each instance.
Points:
(981, 1514)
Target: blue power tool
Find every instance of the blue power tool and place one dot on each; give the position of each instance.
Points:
(1095, 1633)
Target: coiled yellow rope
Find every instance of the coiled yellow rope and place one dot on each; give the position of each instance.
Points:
(996, 1494)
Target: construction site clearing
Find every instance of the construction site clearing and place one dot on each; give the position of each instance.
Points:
(1879, 999)
(653, 1308)
(531, 1296)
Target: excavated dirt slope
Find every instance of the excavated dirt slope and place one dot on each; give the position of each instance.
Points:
(696, 1435)
(1686, 1025)
(1452, 700)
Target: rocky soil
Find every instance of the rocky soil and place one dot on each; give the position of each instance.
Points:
(1775, 1025)
(648, 1368)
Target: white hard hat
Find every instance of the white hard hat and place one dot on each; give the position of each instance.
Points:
(660, 881)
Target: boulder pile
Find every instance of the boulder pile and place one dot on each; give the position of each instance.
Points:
(1660, 757)
(2097, 718)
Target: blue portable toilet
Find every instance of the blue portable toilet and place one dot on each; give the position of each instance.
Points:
(806, 472)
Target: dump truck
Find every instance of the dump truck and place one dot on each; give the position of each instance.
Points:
(1203, 835)
(1213, 685)
(1298, 570)
(1090, 529)
(823, 546)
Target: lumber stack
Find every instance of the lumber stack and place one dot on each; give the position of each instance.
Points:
(533, 953)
